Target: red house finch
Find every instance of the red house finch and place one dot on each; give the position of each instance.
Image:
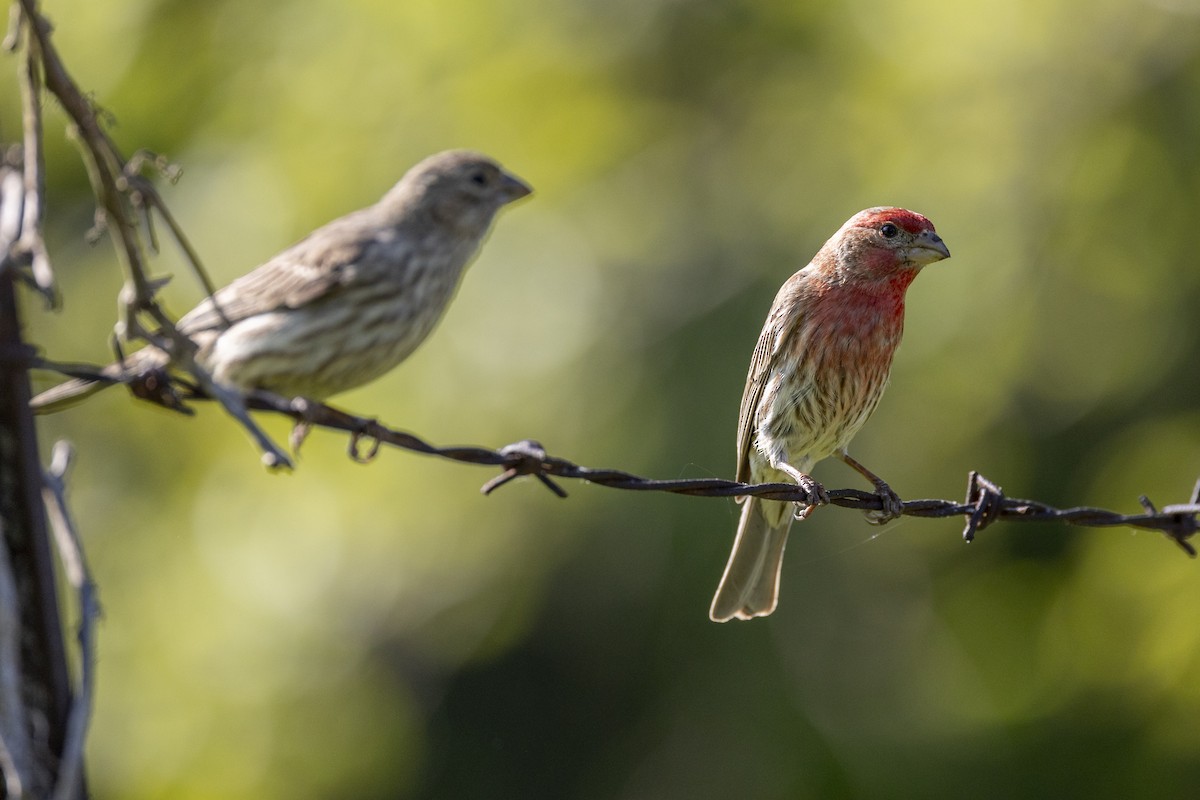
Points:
(817, 373)
(349, 302)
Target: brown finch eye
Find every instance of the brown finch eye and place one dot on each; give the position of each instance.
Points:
(889, 230)
(479, 178)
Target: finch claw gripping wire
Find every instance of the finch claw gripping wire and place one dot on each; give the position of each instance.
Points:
(156, 386)
(988, 499)
(891, 506)
(525, 457)
(817, 496)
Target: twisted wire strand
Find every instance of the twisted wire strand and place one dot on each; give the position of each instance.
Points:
(984, 504)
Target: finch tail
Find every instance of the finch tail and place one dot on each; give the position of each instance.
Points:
(76, 390)
(750, 586)
(66, 394)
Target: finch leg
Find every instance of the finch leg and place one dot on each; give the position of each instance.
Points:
(235, 405)
(816, 492)
(893, 506)
(307, 410)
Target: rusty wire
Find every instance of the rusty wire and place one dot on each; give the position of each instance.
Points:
(984, 504)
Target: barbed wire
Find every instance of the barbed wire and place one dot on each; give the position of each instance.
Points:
(985, 501)
(125, 198)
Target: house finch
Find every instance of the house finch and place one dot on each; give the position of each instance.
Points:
(816, 375)
(349, 302)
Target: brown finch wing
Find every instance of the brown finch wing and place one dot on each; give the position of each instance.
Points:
(777, 331)
(760, 369)
(313, 269)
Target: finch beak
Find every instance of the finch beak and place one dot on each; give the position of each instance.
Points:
(513, 188)
(928, 248)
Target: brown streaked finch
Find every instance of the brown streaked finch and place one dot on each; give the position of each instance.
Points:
(818, 371)
(347, 303)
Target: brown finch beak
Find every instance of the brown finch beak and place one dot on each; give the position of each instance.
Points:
(927, 249)
(514, 188)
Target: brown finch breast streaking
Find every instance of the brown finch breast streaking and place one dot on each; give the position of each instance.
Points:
(350, 301)
(818, 371)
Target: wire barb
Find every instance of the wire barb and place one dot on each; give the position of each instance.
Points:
(526, 457)
(987, 499)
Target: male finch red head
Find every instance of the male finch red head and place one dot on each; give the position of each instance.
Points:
(818, 371)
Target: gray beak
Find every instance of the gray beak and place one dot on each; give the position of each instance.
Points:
(928, 248)
(513, 188)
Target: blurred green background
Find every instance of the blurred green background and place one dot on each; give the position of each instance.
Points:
(385, 631)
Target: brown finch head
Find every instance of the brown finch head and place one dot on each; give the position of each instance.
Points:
(459, 187)
(880, 243)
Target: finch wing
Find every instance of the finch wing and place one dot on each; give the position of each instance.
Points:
(781, 322)
(310, 270)
(756, 379)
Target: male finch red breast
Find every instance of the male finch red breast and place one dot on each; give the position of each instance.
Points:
(349, 302)
(818, 371)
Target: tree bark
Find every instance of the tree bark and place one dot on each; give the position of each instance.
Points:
(44, 682)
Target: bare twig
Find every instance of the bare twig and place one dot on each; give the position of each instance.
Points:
(12, 38)
(31, 243)
(70, 550)
(33, 718)
(16, 751)
(122, 194)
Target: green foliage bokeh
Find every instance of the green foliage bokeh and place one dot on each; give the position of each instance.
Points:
(385, 631)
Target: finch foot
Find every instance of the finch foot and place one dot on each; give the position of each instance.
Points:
(306, 417)
(817, 496)
(300, 432)
(156, 386)
(893, 506)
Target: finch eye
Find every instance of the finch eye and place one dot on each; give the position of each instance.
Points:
(479, 179)
(888, 230)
